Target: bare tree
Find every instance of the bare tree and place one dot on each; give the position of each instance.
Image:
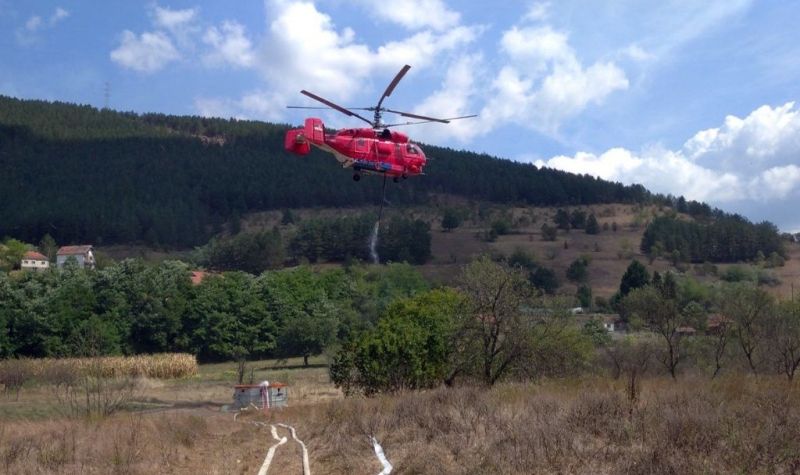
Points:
(661, 315)
(630, 358)
(495, 332)
(749, 307)
(720, 339)
(785, 340)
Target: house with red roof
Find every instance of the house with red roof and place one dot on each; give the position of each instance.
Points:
(83, 255)
(34, 261)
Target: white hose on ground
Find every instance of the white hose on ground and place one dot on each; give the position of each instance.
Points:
(306, 467)
(387, 467)
(271, 451)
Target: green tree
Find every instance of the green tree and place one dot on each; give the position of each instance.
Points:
(577, 219)
(48, 247)
(451, 219)
(584, 296)
(287, 217)
(592, 226)
(635, 276)
(307, 319)
(228, 321)
(578, 269)
(562, 219)
(410, 348)
(11, 253)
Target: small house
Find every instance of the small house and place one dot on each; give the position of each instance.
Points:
(685, 331)
(34, 261)
(84, 256)
(613, 323)
(198, 276)
(717, 324)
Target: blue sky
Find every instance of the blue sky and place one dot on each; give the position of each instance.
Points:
(686, 97)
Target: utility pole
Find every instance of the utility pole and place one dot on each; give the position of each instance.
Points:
(106, 95)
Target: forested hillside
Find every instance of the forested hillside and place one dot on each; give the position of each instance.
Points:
(88, 175)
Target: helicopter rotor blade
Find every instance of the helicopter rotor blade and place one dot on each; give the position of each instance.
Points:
(393, 84)
(429, 121)
(417, 116)
(334, 106)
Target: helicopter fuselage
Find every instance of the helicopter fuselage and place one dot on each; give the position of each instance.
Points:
(366, 150)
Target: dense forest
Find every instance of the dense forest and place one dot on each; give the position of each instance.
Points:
(131, 308)
(100, 176)
(728, 238)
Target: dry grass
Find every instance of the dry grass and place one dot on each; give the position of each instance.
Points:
(737, 424)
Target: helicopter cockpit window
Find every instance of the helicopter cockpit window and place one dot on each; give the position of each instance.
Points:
(412, 149)
(360, 142)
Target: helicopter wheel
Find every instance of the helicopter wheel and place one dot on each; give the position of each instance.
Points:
(356, 177)
(405, 176)
(396, 179)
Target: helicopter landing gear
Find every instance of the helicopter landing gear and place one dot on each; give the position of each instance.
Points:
(396, 179)
(405, 177)
(356, 177)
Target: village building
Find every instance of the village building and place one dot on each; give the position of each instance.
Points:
(83, 255)
(613, 323)
(198, 276)
(717, 324)
(34, 261)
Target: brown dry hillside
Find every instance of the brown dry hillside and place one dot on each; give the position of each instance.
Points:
(610, 251)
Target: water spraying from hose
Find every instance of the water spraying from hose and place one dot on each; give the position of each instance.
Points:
(373, 241)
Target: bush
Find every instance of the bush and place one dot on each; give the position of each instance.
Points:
(737, 273)
(14, 374)
(501, 227)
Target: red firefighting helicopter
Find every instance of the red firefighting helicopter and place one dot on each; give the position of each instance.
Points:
(373, 150)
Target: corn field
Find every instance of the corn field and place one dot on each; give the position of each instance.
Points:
(160, 366)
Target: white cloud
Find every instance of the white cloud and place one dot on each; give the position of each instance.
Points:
(745, 160)
(33, 23)
(540, 83)
(414, 14)
(304, 49)
(766, 136)
(180, 24)
(30, 33)
(151, 51)
(637, 53)
(58, 15)
(173, 19)
(453, 99)
(147, 53)
(538, 11)
(230, 45)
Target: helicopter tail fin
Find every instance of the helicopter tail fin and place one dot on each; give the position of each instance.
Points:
(295, 142)
(314, 130)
